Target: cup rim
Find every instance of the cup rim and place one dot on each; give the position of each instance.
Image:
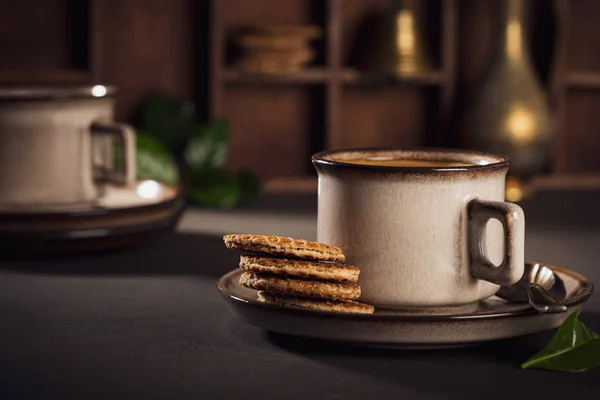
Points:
(496, 162)
(57, 92)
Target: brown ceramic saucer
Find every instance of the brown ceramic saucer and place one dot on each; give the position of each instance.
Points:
(121, 218)
(494, 319)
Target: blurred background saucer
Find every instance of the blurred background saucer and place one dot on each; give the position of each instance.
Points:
(123, 217)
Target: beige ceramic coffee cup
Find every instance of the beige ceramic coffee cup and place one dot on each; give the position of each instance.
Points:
(56, 145)
(420, 235)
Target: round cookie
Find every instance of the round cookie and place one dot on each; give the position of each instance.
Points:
(284, 247)
(307, 269)
(300, 287)
(304, 303)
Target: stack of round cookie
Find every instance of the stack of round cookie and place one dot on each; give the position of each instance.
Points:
(298, 273)
(277, 49)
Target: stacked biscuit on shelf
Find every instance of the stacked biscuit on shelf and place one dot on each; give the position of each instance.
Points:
(277, 49)
(297, 273)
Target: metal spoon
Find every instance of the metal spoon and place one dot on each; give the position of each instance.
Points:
(540, 287)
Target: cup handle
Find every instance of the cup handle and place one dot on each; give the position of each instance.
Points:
(124, 134)
(513, 221)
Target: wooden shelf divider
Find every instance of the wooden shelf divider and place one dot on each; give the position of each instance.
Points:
(558, 86)
(217, 42)
(430, 78)
(310, 75)
(301, 185)
(589, 80)
(45, 77)
(324, 75)
(333, 124)
(448, 45)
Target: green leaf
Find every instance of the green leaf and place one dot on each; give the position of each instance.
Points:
(250, 185)
(154, 161)
(208, 146)
(574, 348)
(170, 120)
(215, 188)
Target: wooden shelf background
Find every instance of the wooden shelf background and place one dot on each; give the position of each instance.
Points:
(575, 88)
(331, 104)
(351, 109)
(277, 122)
(136, 45)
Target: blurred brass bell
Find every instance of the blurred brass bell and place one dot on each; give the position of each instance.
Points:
(400, 48)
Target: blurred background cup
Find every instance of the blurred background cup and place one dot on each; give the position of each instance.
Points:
(56, 145)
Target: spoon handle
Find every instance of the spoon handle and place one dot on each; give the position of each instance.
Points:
(542, 301)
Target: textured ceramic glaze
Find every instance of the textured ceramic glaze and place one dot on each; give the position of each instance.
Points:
(48, 150)
(493, 319)
(411, 230)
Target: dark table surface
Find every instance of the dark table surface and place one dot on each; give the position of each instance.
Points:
(149, 323)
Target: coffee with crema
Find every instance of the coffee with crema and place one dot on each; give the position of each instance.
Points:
(399, 162)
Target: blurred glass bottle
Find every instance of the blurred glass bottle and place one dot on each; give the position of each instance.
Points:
(510, 114)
